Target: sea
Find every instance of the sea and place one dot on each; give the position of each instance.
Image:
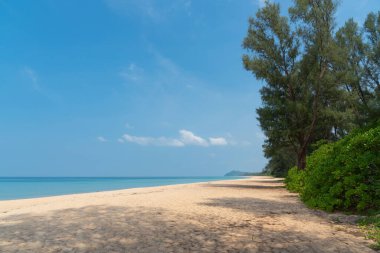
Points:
(33, 187)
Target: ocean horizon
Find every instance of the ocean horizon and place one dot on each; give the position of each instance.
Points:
(12, 188)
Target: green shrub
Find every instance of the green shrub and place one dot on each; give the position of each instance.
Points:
(371, 226)
(295, 180)
(344, 175)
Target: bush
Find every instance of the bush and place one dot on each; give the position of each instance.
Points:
(344, 175)
(371, 226)
(295, 180)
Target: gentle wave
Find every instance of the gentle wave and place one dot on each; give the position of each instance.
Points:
(33, 187)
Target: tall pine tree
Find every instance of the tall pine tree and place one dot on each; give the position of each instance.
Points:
(360, 67)
(302, 96)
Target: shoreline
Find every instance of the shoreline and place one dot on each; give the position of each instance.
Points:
(254, 214)
(111, 190)
(81, 191)
(5, 204)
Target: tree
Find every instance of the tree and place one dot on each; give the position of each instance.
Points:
(360, 66)
(372, 63)
(279, 161)
(302, 97)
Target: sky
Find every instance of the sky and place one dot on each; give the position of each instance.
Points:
(131, 87)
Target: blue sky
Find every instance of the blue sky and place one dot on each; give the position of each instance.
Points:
(130, 87)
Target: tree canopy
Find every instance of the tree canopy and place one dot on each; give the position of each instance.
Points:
(320, 81)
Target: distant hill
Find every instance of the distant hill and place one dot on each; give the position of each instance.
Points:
(236, 173)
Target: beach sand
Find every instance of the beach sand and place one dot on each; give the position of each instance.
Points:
(247, 215)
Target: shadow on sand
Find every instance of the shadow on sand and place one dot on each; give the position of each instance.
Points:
(107, 229)
(142, 229)
(259, 207)
(246, 186)
(272, 180)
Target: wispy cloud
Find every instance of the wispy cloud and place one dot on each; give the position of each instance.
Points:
(232, 141)
(187, 6)
(32, 76)
(164, 75)
(189, 138)
(128, 125)
(150, 141)
(151, 10)
(185, 138)
(260, 136)
(101, 139)
(34, 80)
(134, 7)
(132, 73)
(218, 141)
(260, 3)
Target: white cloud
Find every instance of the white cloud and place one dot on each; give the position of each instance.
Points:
(232, 141)
(190, 138)
(150, 141)
(101, 139)
(138, 140)
(163, 141)
(186, 138)
(218, 141)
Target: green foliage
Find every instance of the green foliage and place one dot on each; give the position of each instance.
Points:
(303, 98)
(279, 162)
(372, 63)
(371, 226)
(359, 66)
(295, 180)
(344, 175)
(321, 81)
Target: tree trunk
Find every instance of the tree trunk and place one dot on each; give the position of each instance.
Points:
(301, 159)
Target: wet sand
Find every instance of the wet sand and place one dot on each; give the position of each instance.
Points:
(248, 215)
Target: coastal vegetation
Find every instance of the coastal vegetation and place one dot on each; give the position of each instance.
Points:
(320, 108)
(372, 227)
(342, 175)
(321, 82)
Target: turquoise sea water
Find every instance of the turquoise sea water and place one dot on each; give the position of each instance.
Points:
(32, 187)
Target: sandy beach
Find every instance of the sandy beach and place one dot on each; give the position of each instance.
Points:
(247, 215)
